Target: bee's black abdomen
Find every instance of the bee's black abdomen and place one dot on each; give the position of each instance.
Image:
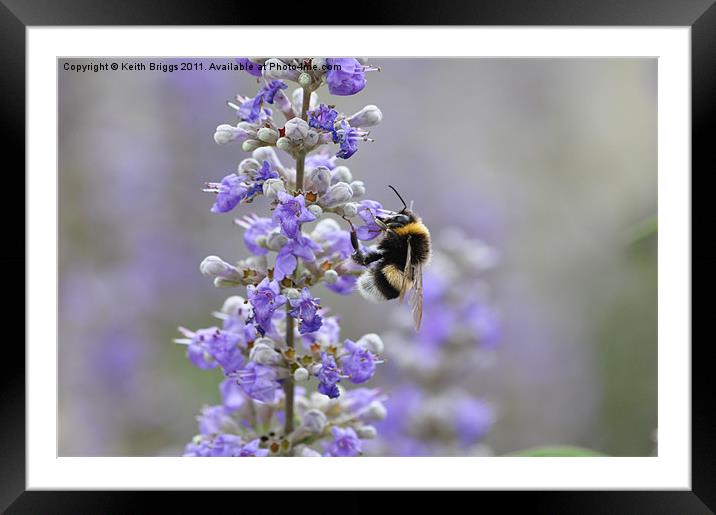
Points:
(383, 286)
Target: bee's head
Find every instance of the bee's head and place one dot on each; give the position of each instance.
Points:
(396, 220)
(400, 219)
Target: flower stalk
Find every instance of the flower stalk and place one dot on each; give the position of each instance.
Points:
(279, 341)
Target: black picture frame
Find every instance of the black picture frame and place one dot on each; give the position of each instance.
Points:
(16, 15)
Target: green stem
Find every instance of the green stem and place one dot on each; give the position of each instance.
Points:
(288, 385)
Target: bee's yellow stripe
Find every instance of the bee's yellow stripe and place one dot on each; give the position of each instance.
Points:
(394, 276)
(412, 228)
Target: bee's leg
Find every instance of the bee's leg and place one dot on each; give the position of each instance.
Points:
(360, 257)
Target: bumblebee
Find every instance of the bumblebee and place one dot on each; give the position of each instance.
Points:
(396, 265)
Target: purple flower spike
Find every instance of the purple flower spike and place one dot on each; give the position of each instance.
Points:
(345, 443)
(265, 298)
(291, 213)
(305, 308)
(348, 80)
(329, 376)
(359, 364)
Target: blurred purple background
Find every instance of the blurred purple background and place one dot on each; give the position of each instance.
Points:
(552, 162)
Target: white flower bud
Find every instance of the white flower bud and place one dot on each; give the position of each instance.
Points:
(296, 130)
(250, 145)
(376, 411)
(263, 354)
(324, 227)
(341, 174)
(236, 305)
(264, 340)
(318, 180)
(271, 188)
(246, 126)
(285, 145)
(221, 282)
(277, 69)
(225, 133)
(315, 420)
(297, 98)
(330, 276)
(311, 139)
(300, 375)
(371, 342)
(339, 193)
(304, 79)
(275, 241)
(267, 135)
(262, 241)
(320, 66)
(358, 188)
(267, 154)
(315, 210)
(351, 208)
(248, 166)
(366, 432)
(369, 116)
(214, 266)
(304, 451)
(292, 293)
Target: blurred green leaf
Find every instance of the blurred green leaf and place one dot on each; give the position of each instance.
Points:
(560, 451)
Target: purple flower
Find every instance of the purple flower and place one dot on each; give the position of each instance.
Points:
(345, 443)
(249, 66)
(321, 158)
(473, 419)
(214, 419)
(482, 319)
(359, 364)
(291, 213)
(305, 308)
(250, 109)
(231, 394)
(265, 299)
(260, 382)
(367, 211)
(327, 334)
(358, 400)
(348, 80)
(251, 449)
(286, 261)
(212, 346)
(256, 227)
(347, 137)
(230, 191)
(344, 285)
(329, 376)
(268, 92)
(323, 117)
(224, 445)
(440, 325)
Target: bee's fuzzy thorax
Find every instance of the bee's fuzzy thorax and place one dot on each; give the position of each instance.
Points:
(416, 227)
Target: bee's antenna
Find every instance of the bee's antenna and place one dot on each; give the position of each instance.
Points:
(401, 198)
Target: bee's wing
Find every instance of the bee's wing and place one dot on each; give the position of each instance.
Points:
(413, 280)
(407, 273)
(416, 301)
